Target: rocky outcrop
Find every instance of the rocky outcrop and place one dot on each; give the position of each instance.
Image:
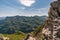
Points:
(51, 30)
(3, 38)
(36, 35)
(29, 37)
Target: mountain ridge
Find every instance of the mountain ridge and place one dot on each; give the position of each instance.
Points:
(20, 23)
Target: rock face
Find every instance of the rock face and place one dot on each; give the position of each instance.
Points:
(3, 38)
(51, 30)
(29, 37)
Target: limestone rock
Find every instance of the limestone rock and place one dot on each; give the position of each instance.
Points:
(51, 30)
(3, 38)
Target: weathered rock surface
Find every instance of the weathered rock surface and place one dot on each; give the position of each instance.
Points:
(3, 38)
(51, 30)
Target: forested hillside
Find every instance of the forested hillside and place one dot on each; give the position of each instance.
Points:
(18, 24)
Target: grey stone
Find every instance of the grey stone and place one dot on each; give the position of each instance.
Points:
(51, 30)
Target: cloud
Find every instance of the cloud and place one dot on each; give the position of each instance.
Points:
(43, 11)
(27, 2)
(13, 12)
(53, 0)
(38, 12)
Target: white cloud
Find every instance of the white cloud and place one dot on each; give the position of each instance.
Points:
(38, 12)
(8, 11)
(53, 0)
(43, 11)
(27, 2)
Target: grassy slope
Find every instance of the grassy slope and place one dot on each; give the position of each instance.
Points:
(21, 36)
(15, 36)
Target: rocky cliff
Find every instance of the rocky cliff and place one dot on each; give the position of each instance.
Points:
(51, 30)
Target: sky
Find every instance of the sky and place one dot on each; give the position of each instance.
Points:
(24, 7)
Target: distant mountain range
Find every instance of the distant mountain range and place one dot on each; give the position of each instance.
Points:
(25, 24)
(1, 18)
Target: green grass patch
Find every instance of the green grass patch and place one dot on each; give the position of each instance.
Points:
(15, 36)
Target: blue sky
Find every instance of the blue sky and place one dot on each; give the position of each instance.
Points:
(24, 7)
